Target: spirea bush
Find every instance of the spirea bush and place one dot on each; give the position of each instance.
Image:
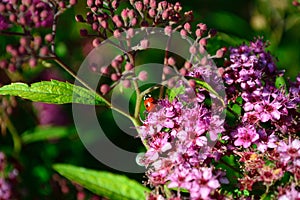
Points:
(215, 121)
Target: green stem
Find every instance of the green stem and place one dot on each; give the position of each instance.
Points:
(8, 33)
(15, 136)
(108, 104)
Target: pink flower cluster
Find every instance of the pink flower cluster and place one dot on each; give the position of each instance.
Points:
(260, 130)
(179, 151)
(8, 177)
(28, 15)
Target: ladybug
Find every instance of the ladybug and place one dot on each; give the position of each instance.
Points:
(149, 102)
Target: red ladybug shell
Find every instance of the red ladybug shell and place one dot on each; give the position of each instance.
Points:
(149, 102)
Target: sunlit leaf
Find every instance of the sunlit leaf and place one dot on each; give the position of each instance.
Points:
(102, 183)
(46, 133)
(54, 92)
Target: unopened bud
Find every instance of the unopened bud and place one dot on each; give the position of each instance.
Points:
(96, 42)
(145, 43)
(143, 76)
(32, 62)
(83, 32)
(126, 83)
(72, 2)
(128, 66)
(104, 89)
(79, 18)
(171, 61)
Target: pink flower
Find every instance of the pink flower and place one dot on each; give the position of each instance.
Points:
(289, 152)
(246, 135)
(205, 182)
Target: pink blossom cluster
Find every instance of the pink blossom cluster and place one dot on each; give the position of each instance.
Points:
(8, 177)
(27, 15)
(179, 151)
(119, 19)
(261, 130)
(30, 13)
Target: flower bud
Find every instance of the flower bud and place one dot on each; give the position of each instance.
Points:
(62, 5)
(183, 71)
(126, 83)
(44, 51)
(131, 13)
(212, 32)
(183, 33)
(2, 7)
(145, 43)
(220, 53)
(153, 4)
(116, 19)
(72, 2)
(104, 70)
(115, 4)
(128, 66)
(192, 83)
(188, 65)
(167, 70)
(138, 5)
(177, 7)
(13, 17)
(171, 61)
(37, 40)
(22, 50)
(202, 26)
(198, 33)
(193, 50)
(32, 62)
(117, 33)
(143, 76)
(202, 49)
(104, 24)
(114, 77)
(152, 13)
(203, 42)
(96, 42)
(49, 37)
(133, 21)
(89, 3)
(104, 89)
(130, 33)
(12, 67)
(83, 32)
(168, 30)
(79, 18)
(165, 14)
(3, 64)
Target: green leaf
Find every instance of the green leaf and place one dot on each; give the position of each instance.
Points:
(46, 133)
(54, 92)
(280, 82)
(237, 109)
(173, 92)
(102, 183)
